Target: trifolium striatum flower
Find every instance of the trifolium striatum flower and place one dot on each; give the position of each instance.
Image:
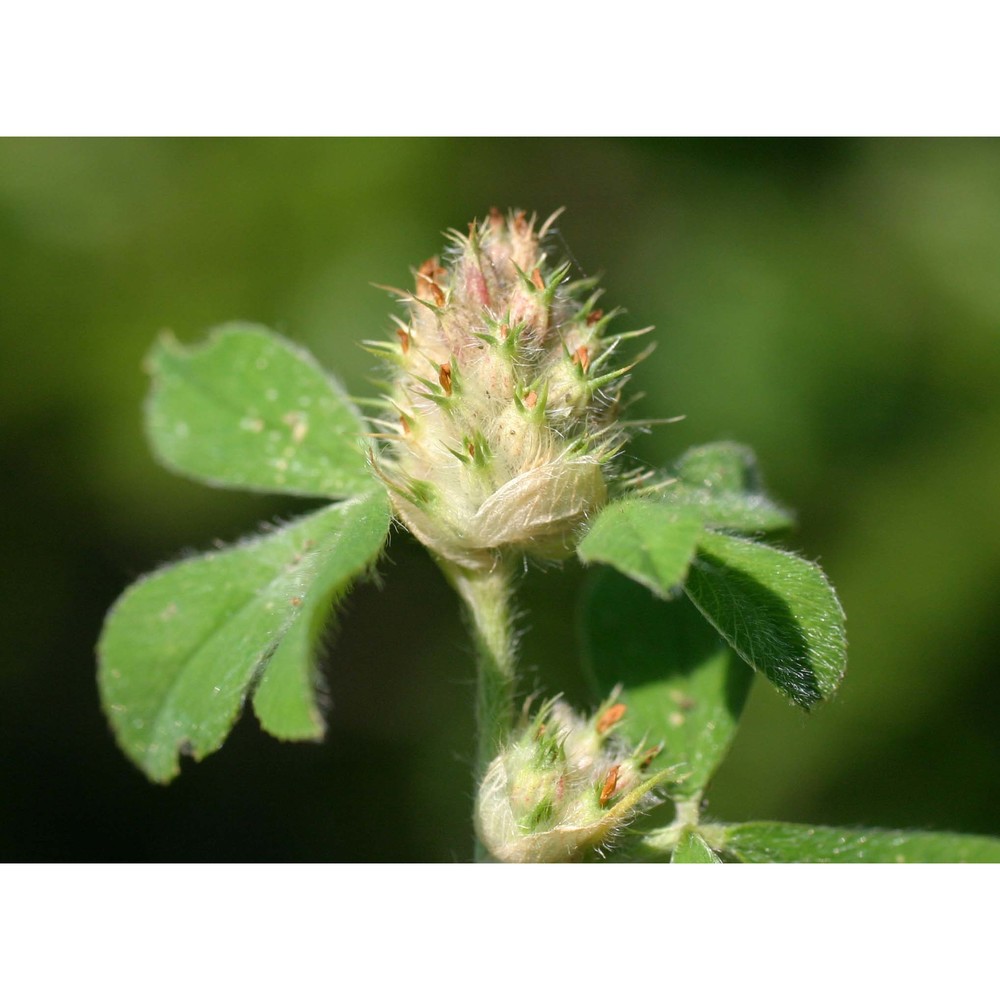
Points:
(564, 786)
(502, 414)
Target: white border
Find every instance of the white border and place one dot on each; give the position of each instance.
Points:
(226, 68)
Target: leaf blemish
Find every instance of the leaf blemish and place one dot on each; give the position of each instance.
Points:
(681, 700)
(298, 423)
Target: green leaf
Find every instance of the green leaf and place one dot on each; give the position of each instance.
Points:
(782, 842)
(285, 699)
(182, 647)
(683, 686)
(776, 610)
(692, 849)
(249, 409)
(644, 540)
(721, 484)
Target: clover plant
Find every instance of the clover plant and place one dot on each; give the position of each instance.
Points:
(499, 442)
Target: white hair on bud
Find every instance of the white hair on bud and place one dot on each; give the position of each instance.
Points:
(507, 402)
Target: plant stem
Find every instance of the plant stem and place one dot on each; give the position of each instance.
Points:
(487, 598)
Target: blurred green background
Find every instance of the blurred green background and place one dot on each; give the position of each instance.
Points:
(835, 304)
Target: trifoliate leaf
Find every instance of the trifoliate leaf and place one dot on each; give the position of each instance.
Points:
(645, 540)
(248, 409)
(776, 610)
(182, 647)
(721, 484)
(784, 842)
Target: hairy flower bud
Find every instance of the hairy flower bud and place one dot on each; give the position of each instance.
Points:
(563, 787)
(504, 403)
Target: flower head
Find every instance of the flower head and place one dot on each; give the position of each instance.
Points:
(504, 401)
(564, 786)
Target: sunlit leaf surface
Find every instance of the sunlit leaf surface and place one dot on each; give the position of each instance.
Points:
(762, 842)
(246, 408)
(182, 647)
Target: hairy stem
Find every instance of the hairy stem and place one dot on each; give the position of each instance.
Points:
(487, 598)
